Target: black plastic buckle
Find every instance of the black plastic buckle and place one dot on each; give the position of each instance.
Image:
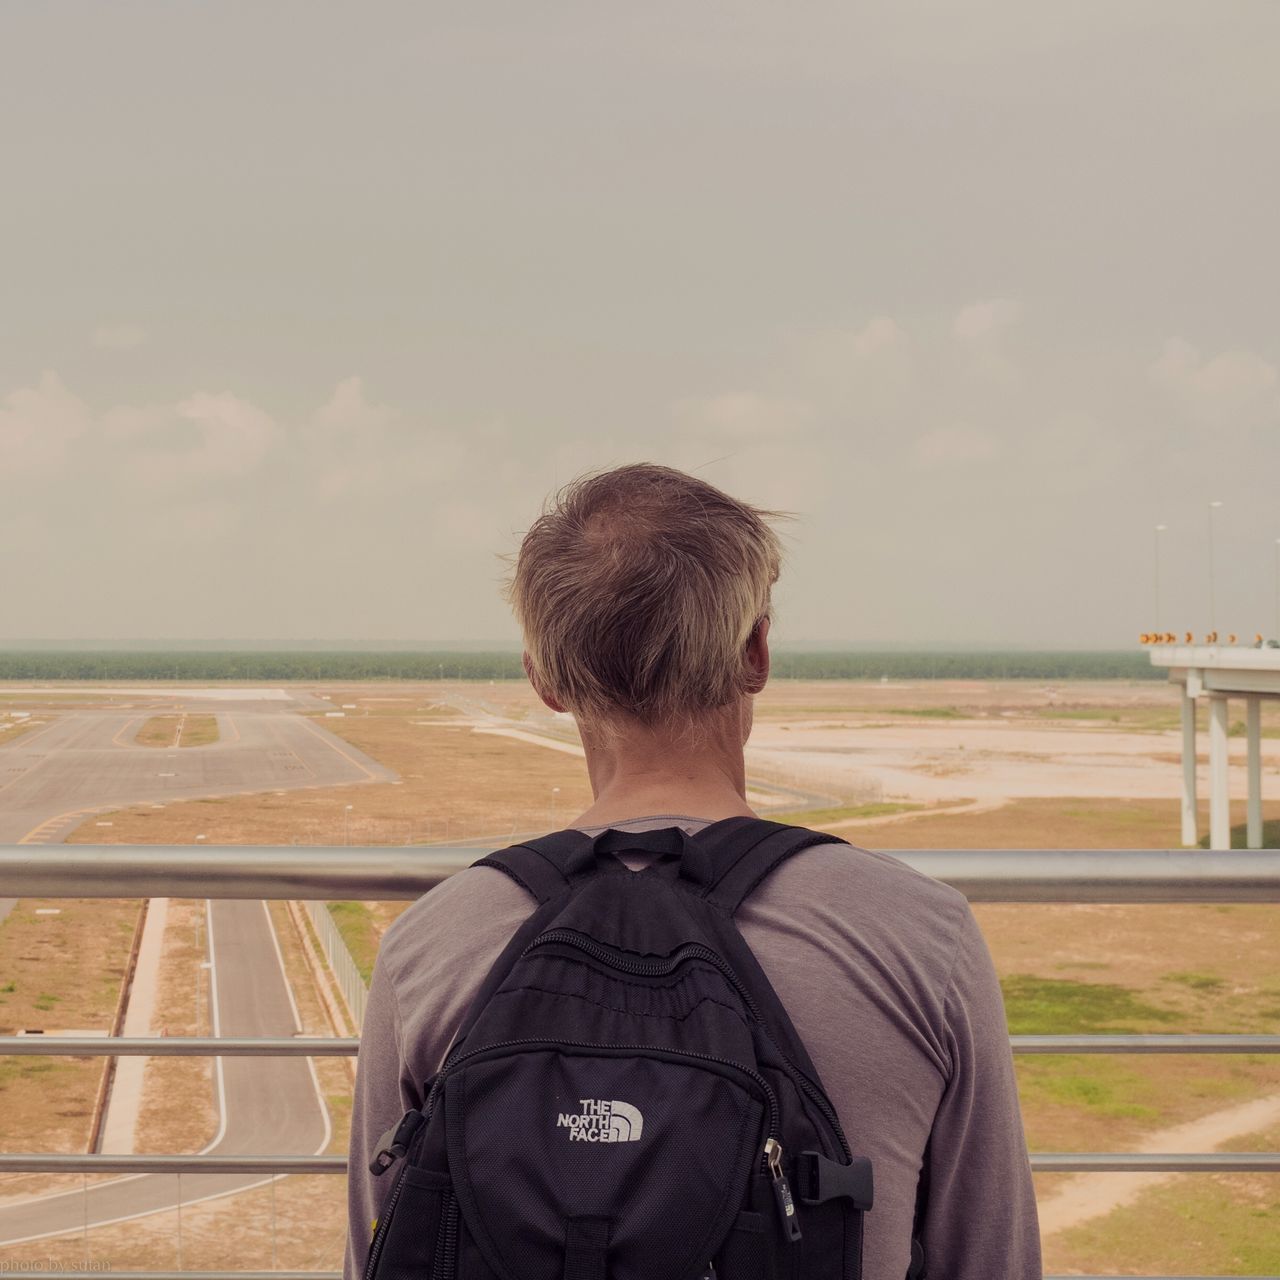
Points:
(395, 1142)
(822, 1179)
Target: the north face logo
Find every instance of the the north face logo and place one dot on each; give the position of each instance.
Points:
(603, 1121)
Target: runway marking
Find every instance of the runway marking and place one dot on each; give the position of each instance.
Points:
(27, 737)
(297, 1022)
(32, 836)
(116, 738)
(27, 772)
(368, 773)
(216, 1021)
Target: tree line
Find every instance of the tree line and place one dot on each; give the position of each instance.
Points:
(451, 665)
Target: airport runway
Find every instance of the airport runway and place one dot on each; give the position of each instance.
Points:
(86, 761)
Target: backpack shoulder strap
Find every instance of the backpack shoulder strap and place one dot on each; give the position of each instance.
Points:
(741, 852)
(541, 867)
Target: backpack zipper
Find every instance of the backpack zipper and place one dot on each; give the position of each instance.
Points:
(646, 968)
(694, 951)
(445, 1262)
(384, 1226)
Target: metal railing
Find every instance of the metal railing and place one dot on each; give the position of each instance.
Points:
(315, 875)
(346, 973)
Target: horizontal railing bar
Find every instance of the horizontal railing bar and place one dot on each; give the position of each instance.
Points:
(95, 1162)
(1041, 1162)
(1144, 1044)
(402, 872)
(337, 1275)
(178, 1046)
(37, 1045)
(1133, 1162)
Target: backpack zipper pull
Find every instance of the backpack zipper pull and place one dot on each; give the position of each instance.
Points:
(782, 1190)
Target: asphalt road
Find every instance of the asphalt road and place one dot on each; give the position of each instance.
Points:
(268, 1105)
(85, 761)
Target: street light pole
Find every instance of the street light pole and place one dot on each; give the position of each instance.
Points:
(1160, 528)
(1277, 630)
(1213, 598)
(346, 825)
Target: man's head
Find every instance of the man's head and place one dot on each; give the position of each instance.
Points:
(644, 597)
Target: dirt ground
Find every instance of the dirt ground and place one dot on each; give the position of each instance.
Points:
(62, 962)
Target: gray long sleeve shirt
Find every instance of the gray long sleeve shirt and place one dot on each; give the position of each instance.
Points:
(888, 981)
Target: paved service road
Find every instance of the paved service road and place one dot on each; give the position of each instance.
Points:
(86, 761)
(268, 1105)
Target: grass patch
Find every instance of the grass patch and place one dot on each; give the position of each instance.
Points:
(356, 924)
(929, 713)
(1037, 1006)
(158, 731)
(1270, 835)
(198, 731)
(178, 731)
(1104, 1087)
(1220, 1225)
(1197, 981)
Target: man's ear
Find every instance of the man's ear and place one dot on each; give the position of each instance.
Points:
(757, 657)
(547, 700)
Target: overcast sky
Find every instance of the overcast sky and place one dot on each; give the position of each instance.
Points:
(304, 307)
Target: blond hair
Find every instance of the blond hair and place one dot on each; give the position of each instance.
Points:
(638, 589)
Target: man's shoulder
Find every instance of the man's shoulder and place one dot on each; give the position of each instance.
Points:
(468, 912)
(863, 902)
(845, 869)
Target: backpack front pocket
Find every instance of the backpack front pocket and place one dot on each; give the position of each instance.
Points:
(416, 1237)
(637, 1158)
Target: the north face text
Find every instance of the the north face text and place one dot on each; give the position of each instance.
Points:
(603, 1121)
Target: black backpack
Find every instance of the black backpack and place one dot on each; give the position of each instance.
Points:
(627, 1098)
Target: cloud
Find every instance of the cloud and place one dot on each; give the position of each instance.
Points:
(946, 446)
(119, 337)
(38, 424)
(981, 331)
(233, 435)
(861, 370)
(1233, 388)
(347, 412)
(982, 320)
(743, 416)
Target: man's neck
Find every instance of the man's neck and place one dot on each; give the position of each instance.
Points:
(638, 771)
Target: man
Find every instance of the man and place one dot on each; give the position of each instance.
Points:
(644, 596)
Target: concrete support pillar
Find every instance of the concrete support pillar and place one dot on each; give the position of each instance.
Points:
(1190, 832)
(1219, 794)
(1253, 727)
